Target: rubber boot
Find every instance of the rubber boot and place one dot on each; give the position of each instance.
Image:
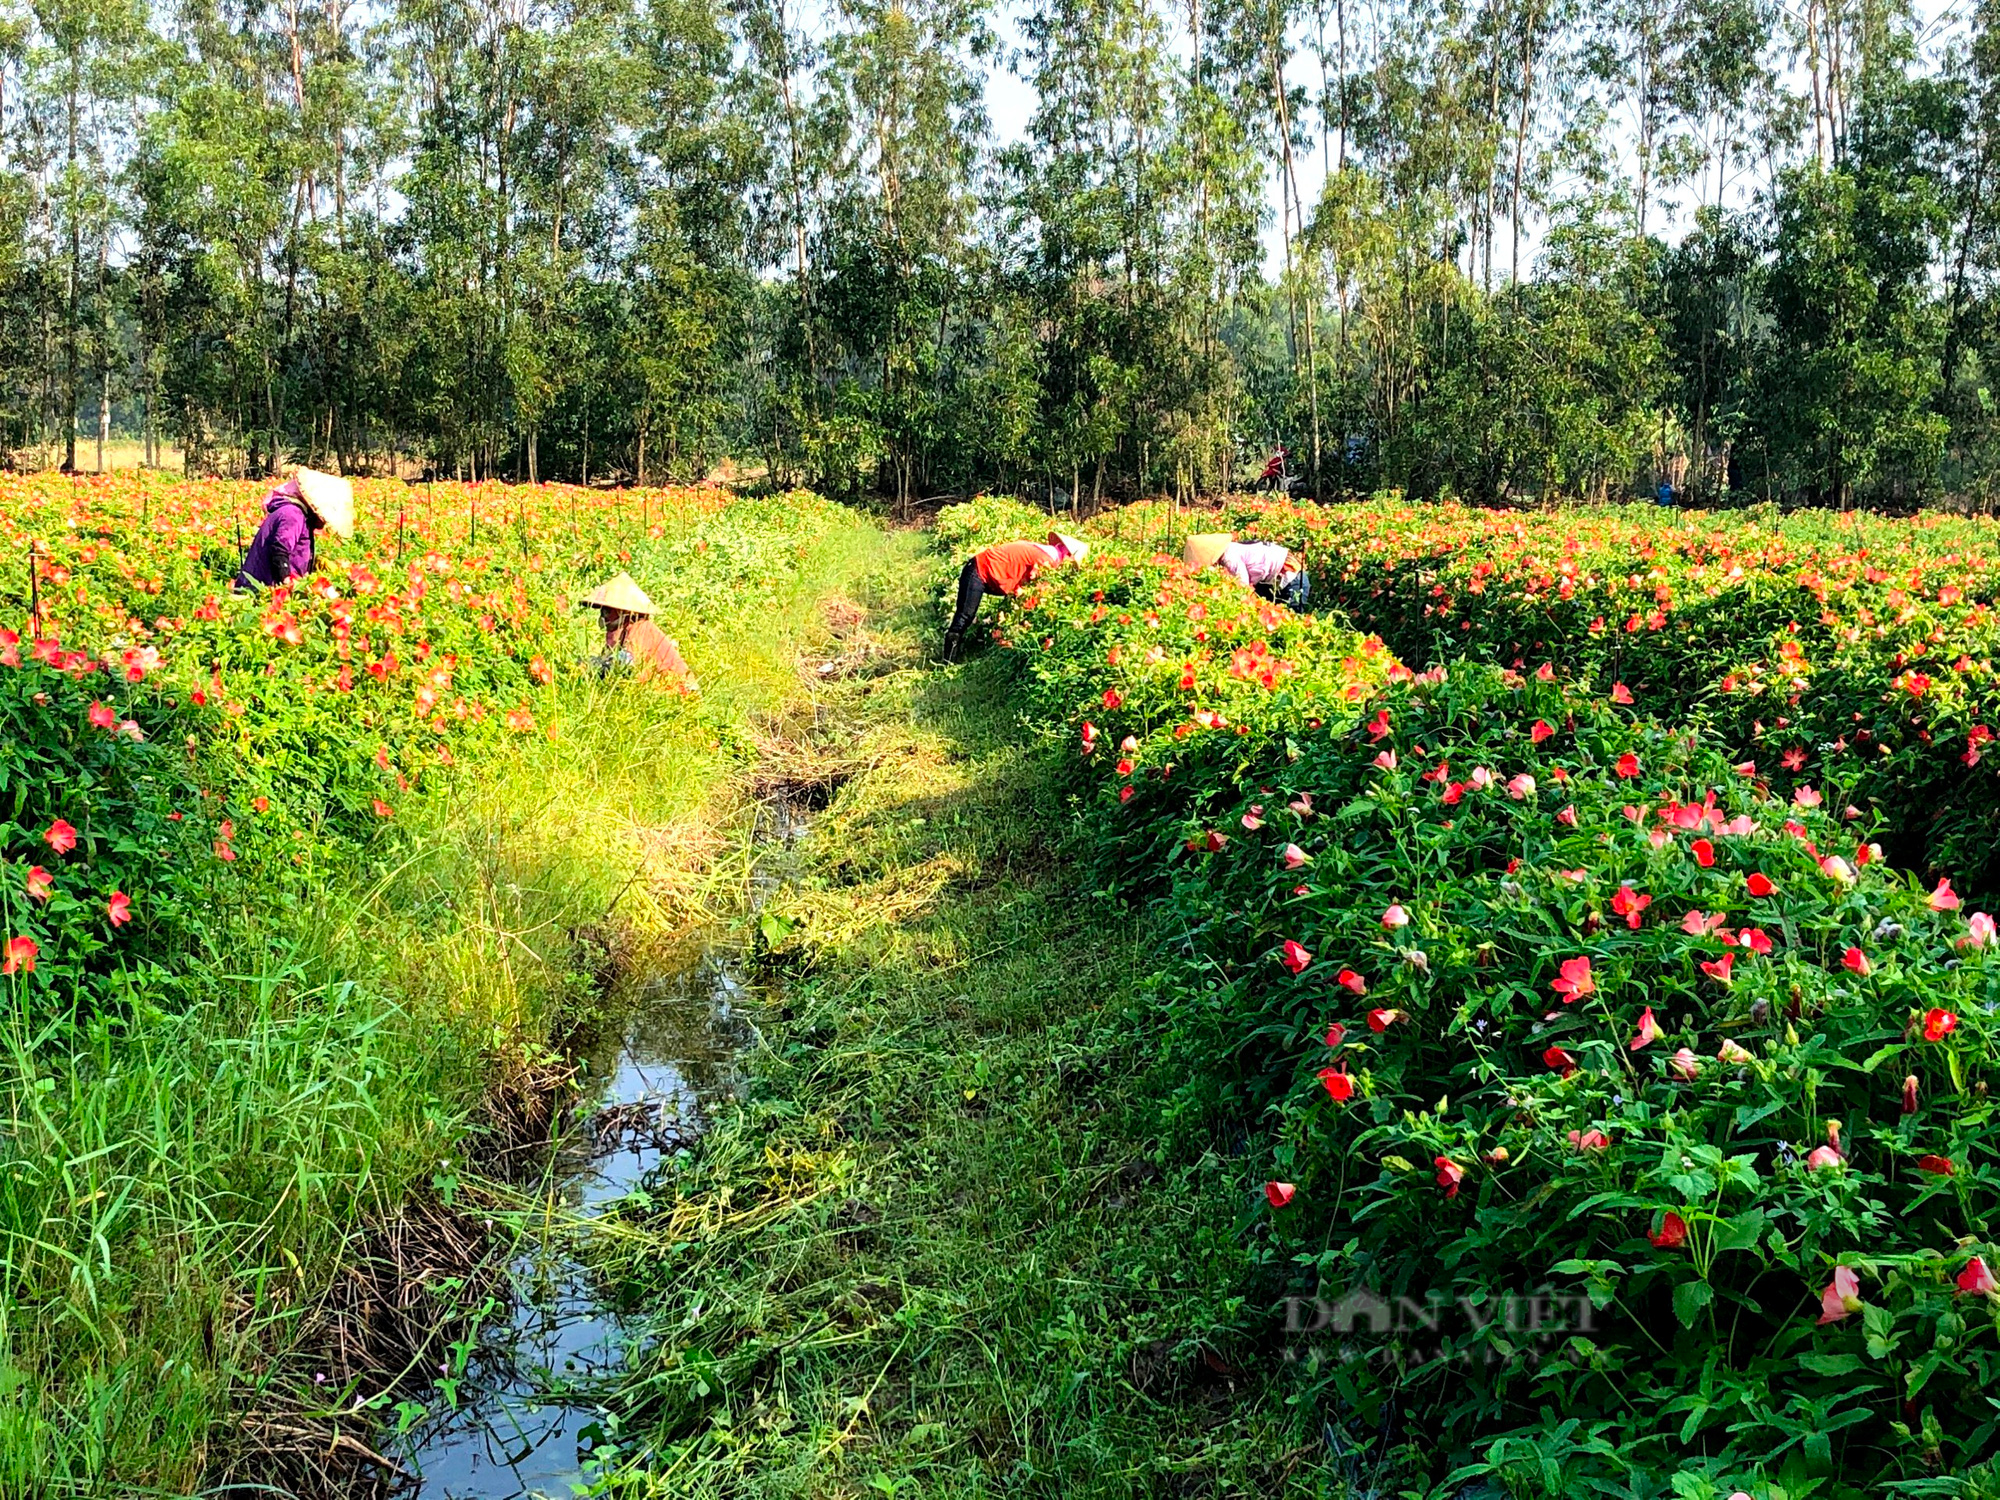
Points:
(954, 646)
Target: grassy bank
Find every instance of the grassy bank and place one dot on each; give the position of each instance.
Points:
(195, 1143)
(940, 1250)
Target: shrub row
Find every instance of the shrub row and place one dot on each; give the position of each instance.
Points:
(1820, 646)
(1628, 1120)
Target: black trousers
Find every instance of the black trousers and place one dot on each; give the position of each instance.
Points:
(971, 589)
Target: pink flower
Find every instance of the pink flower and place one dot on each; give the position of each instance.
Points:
(1589, 1140)
(1648, 1032)
(1732, 1053)
(1567, 815)
(1113, 698)
(60, 837)
(1856, 962)
(1293, 957)
(1395, 917)
(41, 884)
(1280, 1193)
(1335, 1032)
(1347, 979)
(1745, 768)
(1450, 1175)
(1838, 869)
(1975, 1280)
(1251, 821)
(1755, 939)
(1380, 1020)
(103, 715)
(1944, 898)
(118, 910)
(1910, 1094)
(1302, 804)
(1805, 796)
(1295, 856)
(1697, 924)
(1620, 693)
(1574, 980)
(1822, 1157)
(1841, 1296)
(1684, 1065)
(1718, 969)
(1521, 787)
(1481, 777)
(1979, 931)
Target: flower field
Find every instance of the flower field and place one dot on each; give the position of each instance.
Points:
(289, 881)
(1640, 1103)
(1837, 650)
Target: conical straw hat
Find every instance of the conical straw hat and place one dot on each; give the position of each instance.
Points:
(620, 593)
(1204, 549)
(1072, 549)
(331, 499)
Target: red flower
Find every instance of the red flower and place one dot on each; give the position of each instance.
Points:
(1280, 1193)
(1381, 1020)
(1855, 961)
(1113, 698)
(1630, 905)
(1937, 1166)
(1539, 732)
(1938, 1024)
(1975, 1279)
(1648, 1032)
(60, 837)
(1620, 693)
(1703, 852)
(1589, 1140)
(1335, 1034)
(1840, 1297)
(1339, 1087)
(1627, 765)
(41, 884)
(118, 910)
(1759, 884)
(19, 955)
(1450, 1175)
(541, 671)
(1718, 969)
(1672, 1233)
(1944, 898)
(1755, 939)
(1348, 979)
(1560, 1061)
(383, 809)
(103, 715)
(1574, 980)
(1293, 957)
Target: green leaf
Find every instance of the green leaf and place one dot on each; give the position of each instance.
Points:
(1690, 1297)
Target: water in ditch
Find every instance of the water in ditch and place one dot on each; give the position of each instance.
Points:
(527, 1412)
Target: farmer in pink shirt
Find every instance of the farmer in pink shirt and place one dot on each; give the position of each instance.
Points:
(1264, 567)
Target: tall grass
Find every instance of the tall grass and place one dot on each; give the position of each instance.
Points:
(178, 1190)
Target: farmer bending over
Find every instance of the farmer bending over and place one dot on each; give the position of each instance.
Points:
(1265, 567)
(632, 640)
(293, 512)
(1006, 568)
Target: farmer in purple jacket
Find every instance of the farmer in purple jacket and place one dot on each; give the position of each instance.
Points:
(293, 512)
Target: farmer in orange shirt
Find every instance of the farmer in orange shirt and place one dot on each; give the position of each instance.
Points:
(632, 640)
(1004, 569)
